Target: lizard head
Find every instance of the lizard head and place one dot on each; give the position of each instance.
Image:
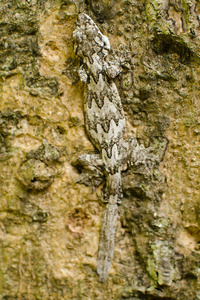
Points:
(88, 38)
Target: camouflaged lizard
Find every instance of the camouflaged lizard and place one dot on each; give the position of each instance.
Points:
(105, 126)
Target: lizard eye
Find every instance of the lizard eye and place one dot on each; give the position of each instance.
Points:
(106, 43)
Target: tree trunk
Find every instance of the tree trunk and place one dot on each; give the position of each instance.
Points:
(50, 210)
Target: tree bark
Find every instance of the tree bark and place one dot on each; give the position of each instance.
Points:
(50, 215)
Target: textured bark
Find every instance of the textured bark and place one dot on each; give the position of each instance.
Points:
(49, 220)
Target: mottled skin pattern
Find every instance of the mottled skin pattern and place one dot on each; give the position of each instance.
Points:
(105, 125)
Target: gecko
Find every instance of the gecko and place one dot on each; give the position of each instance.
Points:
(105, 126)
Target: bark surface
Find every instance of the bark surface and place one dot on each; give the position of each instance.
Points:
(50, 214)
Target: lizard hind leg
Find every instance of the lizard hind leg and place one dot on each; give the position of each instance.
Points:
(91, 168)
(127, 150)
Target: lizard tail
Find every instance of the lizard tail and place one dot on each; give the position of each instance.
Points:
(107, 239)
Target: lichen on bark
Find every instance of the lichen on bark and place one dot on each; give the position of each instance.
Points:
(49, 235)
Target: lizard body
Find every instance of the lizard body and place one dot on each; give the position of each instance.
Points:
(105, 125)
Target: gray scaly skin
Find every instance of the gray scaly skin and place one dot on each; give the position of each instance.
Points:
(105, 125)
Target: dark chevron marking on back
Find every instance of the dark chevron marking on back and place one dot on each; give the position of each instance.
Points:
(93, 96)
